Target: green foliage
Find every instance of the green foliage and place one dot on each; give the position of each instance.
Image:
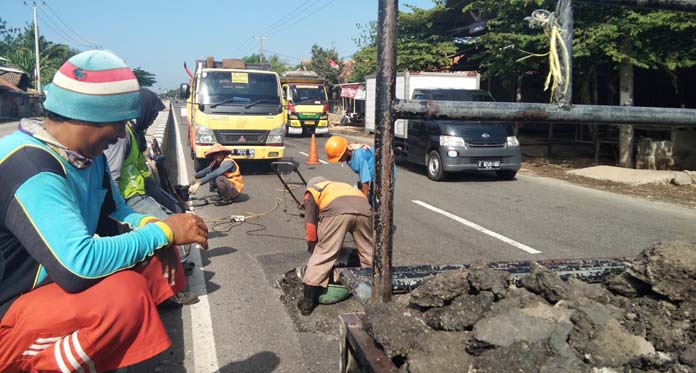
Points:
(658, 39)
(320, 63)
(145, 78)
(420, 47)
(278, 65)
(17, 45)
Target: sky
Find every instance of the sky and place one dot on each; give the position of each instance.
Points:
(159, 36)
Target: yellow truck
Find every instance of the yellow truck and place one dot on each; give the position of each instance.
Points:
(305, 102)
(235, 104)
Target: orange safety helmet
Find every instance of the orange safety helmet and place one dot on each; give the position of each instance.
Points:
(216, 148)
(335, 147)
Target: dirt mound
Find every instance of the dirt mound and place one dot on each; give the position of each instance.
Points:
(643, 319)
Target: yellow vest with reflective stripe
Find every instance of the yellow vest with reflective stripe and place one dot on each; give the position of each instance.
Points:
(134, 170)
(326, 191)
(235, 177)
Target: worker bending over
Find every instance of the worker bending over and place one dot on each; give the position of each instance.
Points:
(359, 157)
(332, 209)
(223, 172)
(75, 294)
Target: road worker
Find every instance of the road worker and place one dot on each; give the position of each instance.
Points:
(75, 293)
(359, 157)
(332, 210)
(223, 174)
(131, 174)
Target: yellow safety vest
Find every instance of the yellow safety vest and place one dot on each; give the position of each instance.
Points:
(235, 177)
(326, 191)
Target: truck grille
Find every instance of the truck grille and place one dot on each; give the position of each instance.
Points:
(485, 145)
(239, 137)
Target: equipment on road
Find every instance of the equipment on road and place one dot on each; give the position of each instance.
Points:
(313, 156)
(333, 294)
(288, 166)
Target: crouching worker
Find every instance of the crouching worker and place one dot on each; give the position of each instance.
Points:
(332, 209)
(223, 174)
(75, 295)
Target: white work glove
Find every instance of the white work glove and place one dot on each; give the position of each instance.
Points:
(194, 188)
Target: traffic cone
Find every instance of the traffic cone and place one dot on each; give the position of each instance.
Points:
(313, 157)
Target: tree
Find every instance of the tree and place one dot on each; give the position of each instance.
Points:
(145, 78)
(419, 45)
(17, 45)
(661, 40)
(277, 64)
(321, 63)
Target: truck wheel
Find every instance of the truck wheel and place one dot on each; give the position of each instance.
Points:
(199, 164)
(506, 174)
(434, 166)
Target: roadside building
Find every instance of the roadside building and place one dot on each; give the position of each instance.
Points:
(17, 99)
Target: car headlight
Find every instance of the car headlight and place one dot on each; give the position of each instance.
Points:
(512, 141)
(204, 135)
(276, 136)
(452, 141)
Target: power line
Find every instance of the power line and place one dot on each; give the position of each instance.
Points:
(51, 24)
(283, 55)
(301, 19)
(84, 40)
(241, 46)
(287, 16)
(278, 24)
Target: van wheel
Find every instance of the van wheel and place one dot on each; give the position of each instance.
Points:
(506, 174)
(434, 165)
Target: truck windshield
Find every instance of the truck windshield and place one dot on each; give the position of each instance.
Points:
(238, 88)
(307, 94)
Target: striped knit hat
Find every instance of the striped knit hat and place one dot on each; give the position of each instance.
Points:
(94, 86)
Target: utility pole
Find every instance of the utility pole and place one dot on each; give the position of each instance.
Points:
(36, 49)
(261, 37)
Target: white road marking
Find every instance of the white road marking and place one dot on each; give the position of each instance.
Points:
(478, 228)
(204, 351)
(307, 155)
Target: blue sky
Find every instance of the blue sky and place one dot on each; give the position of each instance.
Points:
(159, 35)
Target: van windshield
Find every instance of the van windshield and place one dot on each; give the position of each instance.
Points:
(308, 94)
(238, 88)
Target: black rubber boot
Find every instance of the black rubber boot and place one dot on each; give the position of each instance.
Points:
(310, 299)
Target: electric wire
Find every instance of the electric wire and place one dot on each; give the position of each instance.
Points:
(301, 19)
(48, 22)
(287, 16)
(84, 40)
(282, 55)
(557, 76)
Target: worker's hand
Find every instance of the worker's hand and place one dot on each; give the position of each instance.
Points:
(168, 259)
(188, 228)
(311, 245)
(194, 188)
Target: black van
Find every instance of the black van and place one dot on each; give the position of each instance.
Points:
(445, 146)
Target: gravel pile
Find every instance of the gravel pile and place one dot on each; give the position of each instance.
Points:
(641, 320)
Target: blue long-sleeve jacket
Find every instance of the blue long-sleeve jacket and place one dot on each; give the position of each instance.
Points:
(57, 224)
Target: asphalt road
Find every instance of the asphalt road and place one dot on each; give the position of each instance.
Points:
(7, 128)
(241, 326)
(468, 218)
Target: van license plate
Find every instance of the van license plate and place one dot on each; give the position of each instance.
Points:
(488, 165)
(309, 123)
(243, 152)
